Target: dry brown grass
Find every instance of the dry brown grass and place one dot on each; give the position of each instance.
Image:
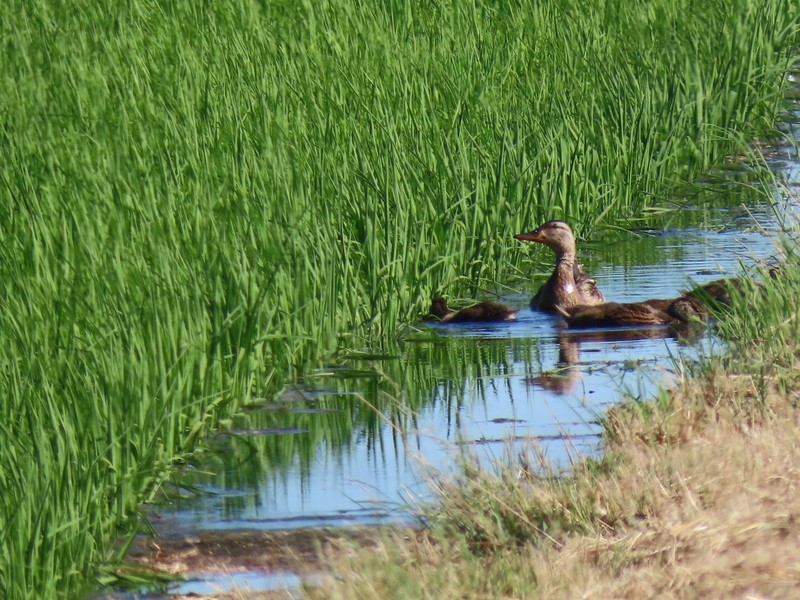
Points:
(696, 499)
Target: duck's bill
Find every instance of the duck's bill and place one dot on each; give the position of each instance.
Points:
(530, 236)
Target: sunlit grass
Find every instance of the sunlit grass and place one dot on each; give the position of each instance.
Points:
(199, 200)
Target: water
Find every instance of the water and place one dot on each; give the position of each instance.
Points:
(323, 455)
(240, 582)
(351, 444)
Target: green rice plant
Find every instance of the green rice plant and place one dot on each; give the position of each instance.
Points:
(198, 201)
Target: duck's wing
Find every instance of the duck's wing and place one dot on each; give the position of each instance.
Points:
(612, 313)
(586, 287)
(545, 298)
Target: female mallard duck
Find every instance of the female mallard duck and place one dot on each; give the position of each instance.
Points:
(482, 311)
(569, 285)
(691, 306)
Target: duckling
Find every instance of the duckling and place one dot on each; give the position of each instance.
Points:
(569, 285)
(482, 311)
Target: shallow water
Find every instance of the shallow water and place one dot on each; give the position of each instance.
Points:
(351, 443)
(239, 582)
(456, 386)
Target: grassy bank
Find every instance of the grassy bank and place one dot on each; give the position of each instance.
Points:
(197, 201)
(695, 496)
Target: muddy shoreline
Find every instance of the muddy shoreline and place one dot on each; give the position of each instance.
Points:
(298, 554)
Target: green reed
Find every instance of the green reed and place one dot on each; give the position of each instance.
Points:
(767, 337)
(198, 200)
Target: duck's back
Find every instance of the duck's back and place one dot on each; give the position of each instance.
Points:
(559, 291)
(614, 313)
(588, 293)
(483, 311)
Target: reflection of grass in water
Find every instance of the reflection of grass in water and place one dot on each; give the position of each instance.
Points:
(197, 201)
(371, 402)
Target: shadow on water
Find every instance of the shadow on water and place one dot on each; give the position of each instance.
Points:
(351, 443)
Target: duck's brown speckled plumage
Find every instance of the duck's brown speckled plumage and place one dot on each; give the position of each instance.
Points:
(614, 313)
(691, 306)
(482, 311)
(569, 285)
(718, 292)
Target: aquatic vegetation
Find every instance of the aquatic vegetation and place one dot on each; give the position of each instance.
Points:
(197, 201)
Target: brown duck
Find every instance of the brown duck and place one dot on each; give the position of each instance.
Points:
(569, 285)
(615, 313)
(482, 311)
(690, 306)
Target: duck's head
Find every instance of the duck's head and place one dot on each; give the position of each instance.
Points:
(553, 234)
(688, 309)
(439, 307)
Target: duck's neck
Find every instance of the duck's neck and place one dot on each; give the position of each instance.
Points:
(565, 263)
(565, 271)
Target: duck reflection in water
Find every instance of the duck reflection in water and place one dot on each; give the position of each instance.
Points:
(563, 378)
(567, 373)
